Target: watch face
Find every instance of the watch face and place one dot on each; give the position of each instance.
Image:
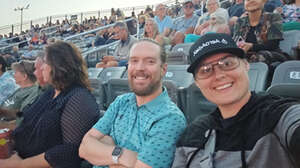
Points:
(117, 151)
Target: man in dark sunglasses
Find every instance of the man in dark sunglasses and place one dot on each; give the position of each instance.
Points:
(247, 129)
(185, 24)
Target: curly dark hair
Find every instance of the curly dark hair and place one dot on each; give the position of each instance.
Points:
(67, 66)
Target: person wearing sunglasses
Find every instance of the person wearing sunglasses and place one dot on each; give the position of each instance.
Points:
(185, 24)
(22, 97)
(247, 129)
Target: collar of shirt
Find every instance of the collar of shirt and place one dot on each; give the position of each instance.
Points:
(154, 105)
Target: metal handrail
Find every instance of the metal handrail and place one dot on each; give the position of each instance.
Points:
(13, 44)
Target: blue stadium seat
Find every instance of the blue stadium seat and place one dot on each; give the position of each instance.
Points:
(286, 80)
(258, 75)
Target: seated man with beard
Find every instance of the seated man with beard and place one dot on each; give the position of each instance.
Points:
(139, 129)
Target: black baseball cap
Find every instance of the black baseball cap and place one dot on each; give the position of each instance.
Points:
(212, 43)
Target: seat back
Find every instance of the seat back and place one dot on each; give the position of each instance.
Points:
(290, 40)
(179, 75)
(116, 87)
(258, 75)
(98, 92)
(111, 73)
(172, 90)
(285, 90)
(287, 72)
(194, 104)
(179, 54)
(286, 80)
(94, 73)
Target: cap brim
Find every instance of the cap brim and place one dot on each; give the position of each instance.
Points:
(236, 51)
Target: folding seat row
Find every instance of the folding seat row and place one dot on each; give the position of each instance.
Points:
(99, 78)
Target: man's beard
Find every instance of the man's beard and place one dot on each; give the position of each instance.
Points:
(148, 90)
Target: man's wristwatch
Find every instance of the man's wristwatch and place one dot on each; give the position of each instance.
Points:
(116, 153)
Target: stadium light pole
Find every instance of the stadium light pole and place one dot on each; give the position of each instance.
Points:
(21, 9)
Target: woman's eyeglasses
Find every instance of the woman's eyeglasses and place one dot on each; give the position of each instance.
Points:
(227, 63)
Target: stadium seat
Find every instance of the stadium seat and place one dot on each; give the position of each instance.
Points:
(258, 75)
(193, 103)
(286, 80)
(179, 54)
(179, 75)
(112, 72)
(287, 72)
(94, 72)
(291, 39)
(116, 87)
(98, 92)
(285, 90)
(172, 90)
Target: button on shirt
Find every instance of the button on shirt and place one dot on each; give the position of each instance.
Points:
(151, 130)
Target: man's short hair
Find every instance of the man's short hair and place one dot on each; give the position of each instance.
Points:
(162, 52)
(121, 25)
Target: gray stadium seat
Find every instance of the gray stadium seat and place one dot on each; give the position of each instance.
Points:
(291, 39)
(94, 72)
(193, 103)
(286, 80)
(98, 92)
(285, 90)
(172, 90)
(287, 72)
(179, 75)
(116, 87)
(112, 72)
(179, 54)
(258, 74)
